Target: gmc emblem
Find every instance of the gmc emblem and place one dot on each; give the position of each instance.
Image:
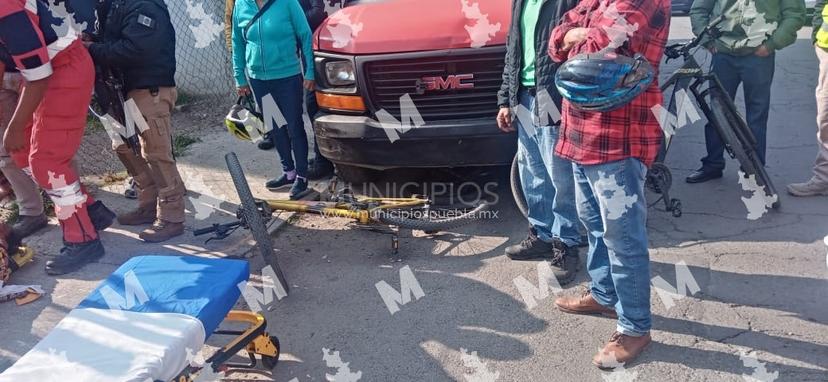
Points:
(453, 81)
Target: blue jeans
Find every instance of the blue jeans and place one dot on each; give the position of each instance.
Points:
(547, 181)
(611, 205)
(313, 108)
(291, 140)
(756, 75)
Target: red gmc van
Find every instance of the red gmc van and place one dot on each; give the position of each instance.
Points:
(412, 83)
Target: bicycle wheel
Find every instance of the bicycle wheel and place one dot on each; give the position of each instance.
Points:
(420, 219)
(728, 120)
(253, 217)
(517, 188)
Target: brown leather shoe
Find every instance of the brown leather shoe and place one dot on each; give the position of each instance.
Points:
(139, 216)
(620, 350)
(585, 304)
(162, 231)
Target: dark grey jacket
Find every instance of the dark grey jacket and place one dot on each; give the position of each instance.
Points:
(138, 39)
(551, 14)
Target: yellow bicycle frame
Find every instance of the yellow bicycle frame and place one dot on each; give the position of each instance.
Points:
(345, 210)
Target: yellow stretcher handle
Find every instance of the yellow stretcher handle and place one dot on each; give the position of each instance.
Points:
(23, 256)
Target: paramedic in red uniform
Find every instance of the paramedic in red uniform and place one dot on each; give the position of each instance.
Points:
(46, 129)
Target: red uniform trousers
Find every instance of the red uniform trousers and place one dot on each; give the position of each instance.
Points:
(54, 136)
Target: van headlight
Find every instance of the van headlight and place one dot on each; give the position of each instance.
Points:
(340, 73)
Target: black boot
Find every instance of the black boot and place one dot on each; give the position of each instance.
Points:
(13, 243)
(320, 168)
(531, 248)
(565, 263)
(266, 143)
(100, 216)
(28, 225)
(74, 256)
(703, 175)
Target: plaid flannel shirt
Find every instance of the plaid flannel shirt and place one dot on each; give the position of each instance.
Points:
(633, 26)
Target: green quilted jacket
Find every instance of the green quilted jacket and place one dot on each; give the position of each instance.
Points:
(750, 23)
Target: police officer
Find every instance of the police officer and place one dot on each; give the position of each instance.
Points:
(137, 40)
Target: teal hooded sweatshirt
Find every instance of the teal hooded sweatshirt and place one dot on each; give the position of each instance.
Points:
(268, 50)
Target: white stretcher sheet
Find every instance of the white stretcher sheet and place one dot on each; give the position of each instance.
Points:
(91, 345)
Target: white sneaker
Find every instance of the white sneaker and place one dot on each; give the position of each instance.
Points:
(809, 188)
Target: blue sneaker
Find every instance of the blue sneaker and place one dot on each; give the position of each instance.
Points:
(275, 184)
(299, 189)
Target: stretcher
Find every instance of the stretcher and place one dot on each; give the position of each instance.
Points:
(148, 322)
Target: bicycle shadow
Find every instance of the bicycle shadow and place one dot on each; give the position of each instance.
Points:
(335, 303)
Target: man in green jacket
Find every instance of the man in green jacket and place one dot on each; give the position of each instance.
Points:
(818, 184)
(744, 53)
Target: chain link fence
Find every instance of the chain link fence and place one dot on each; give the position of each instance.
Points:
(204, 76)
(204, 68)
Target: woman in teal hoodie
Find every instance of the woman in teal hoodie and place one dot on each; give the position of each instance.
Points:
(266, 62)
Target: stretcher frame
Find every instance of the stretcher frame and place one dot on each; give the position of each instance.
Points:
(254, 339)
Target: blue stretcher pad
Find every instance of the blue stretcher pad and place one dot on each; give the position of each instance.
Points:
(202, 288)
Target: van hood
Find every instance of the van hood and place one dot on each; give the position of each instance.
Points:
(414, 25)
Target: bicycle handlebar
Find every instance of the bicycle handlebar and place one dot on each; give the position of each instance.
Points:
(679, 50)
(220, 228)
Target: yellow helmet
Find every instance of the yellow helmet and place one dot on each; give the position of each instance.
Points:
(244, 122)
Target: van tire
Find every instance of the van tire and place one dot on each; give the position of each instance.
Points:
(354, 174)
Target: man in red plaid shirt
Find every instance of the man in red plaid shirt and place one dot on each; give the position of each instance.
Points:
(611, 151)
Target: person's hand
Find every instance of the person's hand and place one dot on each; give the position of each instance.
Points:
(712, 48)
(309, 85)
(86, 44)
(14, 139)
(504, 120)
(243, 91)
(762, 51)
(574, 37)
